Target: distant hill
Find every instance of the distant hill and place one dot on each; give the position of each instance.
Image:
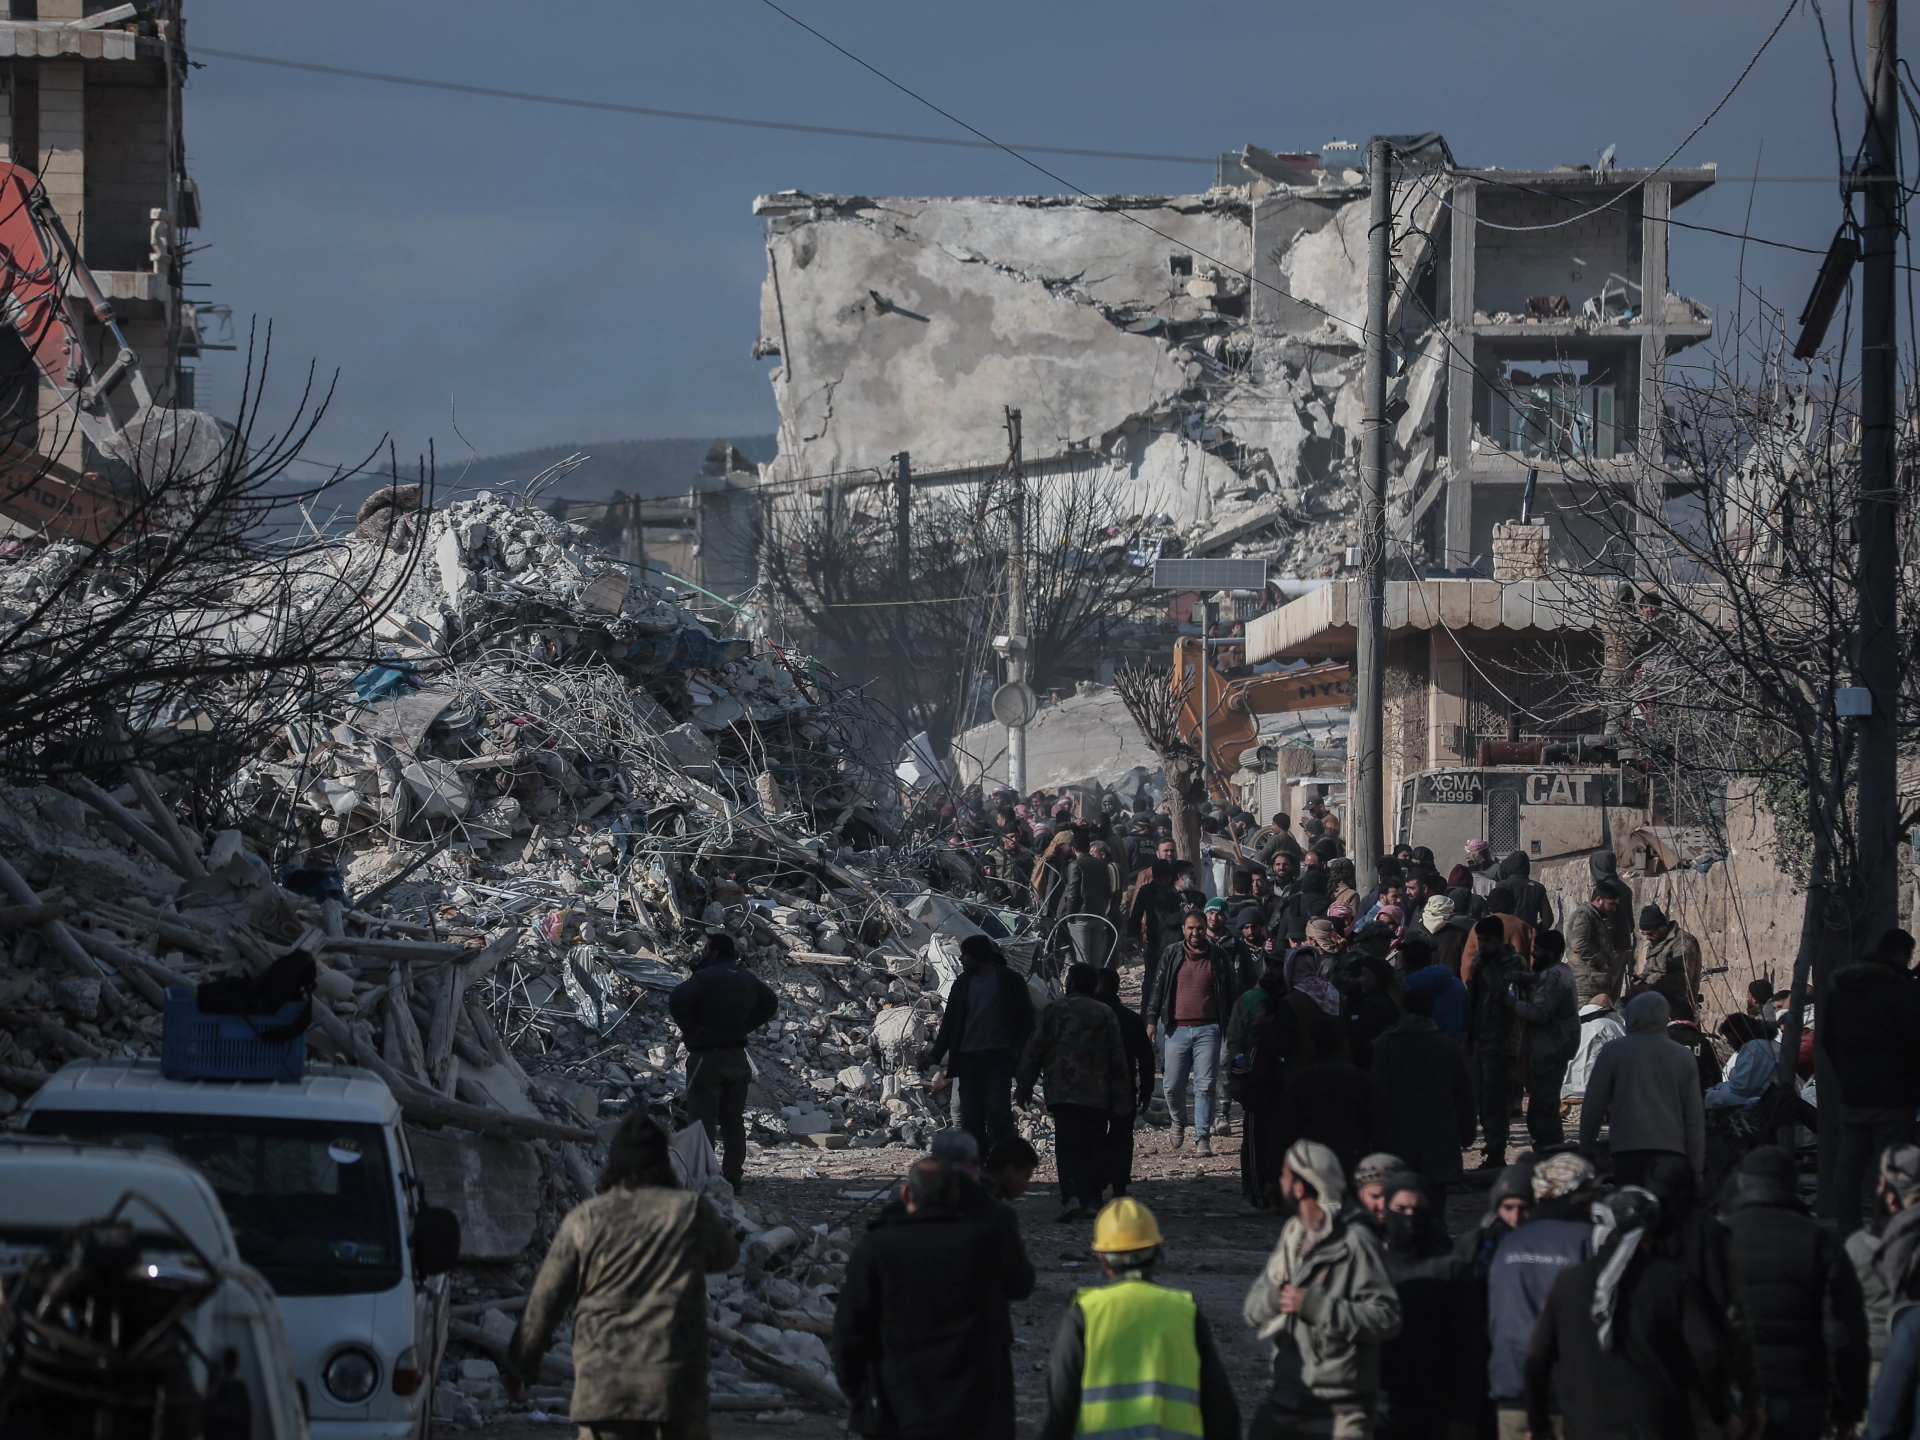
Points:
(648, 468)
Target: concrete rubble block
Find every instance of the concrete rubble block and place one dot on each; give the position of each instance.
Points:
(606, 592)
(772, 1243)
(807, 1121)
(498, 1326)
(723, 712)
(856, 1079)
(78, 997)
(898, 1034)
(481, 1370)
(689, 749)
(493, 1185)
(437, 788)
(503, 1088)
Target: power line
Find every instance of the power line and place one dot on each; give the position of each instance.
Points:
(1706, 120)
(574, 103)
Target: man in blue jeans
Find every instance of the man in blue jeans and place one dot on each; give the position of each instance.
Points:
(988, 1018)
(1191, 1000)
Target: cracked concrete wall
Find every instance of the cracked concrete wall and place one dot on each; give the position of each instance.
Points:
(909, 324)
(1229, 415)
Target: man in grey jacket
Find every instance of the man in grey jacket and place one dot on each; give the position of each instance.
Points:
(1552, 1018)
(1327, 1303)
(1646, 1089)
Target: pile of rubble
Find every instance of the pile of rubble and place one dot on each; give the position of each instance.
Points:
(501, 843)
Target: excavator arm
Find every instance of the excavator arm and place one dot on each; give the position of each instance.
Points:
(37, 259)
(1234, 706)
(38, 264)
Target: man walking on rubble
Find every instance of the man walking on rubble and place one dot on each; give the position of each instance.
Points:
(1192, 999)
(631, 1262)
(1133, 1357)
(988, 1018)
(716, 1009)
(1079, 1051)
(1140, 1066)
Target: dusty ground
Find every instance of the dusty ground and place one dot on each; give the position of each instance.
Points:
(1211, 1250)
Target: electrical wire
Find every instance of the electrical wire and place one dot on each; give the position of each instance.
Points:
(701, 117)
(1706, 120)
(1104, 204)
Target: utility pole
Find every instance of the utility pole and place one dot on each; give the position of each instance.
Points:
(1017, 666)
(1878, 522)
(1365, 814)
(902, 522)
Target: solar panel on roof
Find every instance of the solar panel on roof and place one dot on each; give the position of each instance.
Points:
(1209, 575)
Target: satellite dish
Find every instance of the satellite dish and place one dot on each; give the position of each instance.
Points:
(1015, 704)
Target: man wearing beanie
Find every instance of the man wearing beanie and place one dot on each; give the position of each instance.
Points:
(716, 1009)
(1558, 1235)
(1672, 961)
(1326, 1302)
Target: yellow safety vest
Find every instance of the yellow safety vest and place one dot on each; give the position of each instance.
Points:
(1141, 1376)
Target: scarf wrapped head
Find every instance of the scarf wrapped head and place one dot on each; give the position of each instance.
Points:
(1620, 1223)
(1303, 974)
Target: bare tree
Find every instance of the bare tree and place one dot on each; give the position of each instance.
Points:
(1155, 699)
(201, 615)
(834, 566)
(1720, 569)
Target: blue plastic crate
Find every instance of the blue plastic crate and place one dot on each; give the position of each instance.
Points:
(194, 1046)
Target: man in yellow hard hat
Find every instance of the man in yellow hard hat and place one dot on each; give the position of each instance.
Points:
(1133, 1357)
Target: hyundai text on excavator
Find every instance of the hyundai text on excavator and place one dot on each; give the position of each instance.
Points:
(39, 266)
(1234, 706)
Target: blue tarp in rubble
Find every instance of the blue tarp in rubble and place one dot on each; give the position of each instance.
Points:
(687, 650)
(383, 680)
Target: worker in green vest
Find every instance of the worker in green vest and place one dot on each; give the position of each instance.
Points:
(1135, 1358)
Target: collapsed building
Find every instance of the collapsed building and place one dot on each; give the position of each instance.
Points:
(500, 839)
(1204, 351)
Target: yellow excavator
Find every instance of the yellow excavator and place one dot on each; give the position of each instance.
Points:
(40, 267)
(1233, 707)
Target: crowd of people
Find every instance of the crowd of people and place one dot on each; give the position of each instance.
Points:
(1656, 1273)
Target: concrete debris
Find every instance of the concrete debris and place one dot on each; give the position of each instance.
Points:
(501, 841)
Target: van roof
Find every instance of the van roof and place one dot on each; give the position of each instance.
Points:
(326, 1092)
(48, 1184)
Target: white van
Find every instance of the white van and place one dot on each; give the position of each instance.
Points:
(47, 1187)
(318, 1186)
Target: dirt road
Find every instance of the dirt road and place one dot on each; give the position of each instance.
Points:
(1211, 1250)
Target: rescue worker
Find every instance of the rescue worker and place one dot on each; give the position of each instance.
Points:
(716, 1008)
(1133, 1357)
(631, 1263)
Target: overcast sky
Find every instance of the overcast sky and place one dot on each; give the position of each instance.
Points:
(579, 276)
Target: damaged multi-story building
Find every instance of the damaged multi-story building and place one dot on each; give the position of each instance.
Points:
(93, 109)
(1206, 349)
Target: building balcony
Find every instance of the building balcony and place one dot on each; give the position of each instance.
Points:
(51, 40)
